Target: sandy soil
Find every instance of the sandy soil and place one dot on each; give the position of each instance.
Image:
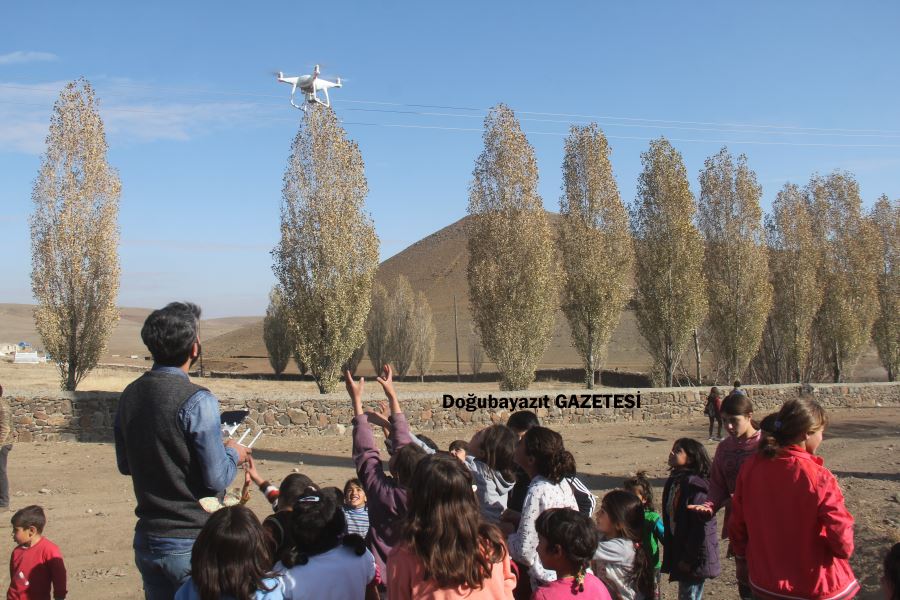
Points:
(90, 506)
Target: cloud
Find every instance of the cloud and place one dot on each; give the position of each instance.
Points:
(25, 56)
(128, 114)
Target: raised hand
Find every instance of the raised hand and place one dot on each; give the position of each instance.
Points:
(355, 391)
(386, 379)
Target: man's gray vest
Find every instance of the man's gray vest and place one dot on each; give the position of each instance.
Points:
(166, 473)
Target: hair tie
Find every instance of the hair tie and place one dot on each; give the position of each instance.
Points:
(309, 499)
(778, 425)
(637, 544)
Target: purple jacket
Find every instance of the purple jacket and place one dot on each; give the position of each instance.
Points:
(387, 501)
(690, 542)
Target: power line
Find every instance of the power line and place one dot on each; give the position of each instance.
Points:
(750, 126)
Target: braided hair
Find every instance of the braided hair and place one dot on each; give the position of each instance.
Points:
(575, 534)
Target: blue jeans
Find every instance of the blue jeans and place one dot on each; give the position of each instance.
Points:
(691, 590)
(164, 564)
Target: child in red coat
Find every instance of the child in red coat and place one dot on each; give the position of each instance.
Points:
(788, 519)
(36, 562)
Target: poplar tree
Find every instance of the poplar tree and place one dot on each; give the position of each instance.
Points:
(402, 326)
(424, 334)
(511, 270)
(75, 237)
(886, 332)
(595, 246)
(736, 268)
(670, 299)
(794, 263)
(849, 274)
(326, 259)
(378, 329)
(277, 333)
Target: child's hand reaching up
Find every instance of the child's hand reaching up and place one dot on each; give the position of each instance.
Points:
(252, 473)
(355, 390)
(386, 379)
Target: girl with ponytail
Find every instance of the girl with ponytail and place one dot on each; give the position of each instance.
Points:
(541, 453)
(621, 560)
(567, 541)
(790, 530)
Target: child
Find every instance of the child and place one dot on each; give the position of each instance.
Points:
(692, 549)
(278, 525)
(520, 422)
(890, 581)
(355, 512)
(459, 449)
(742, 443)
(546, 461)
(713, 410)
(788, 519)
(231, 559)
(492, 462)
(36, 562)
(620, 560)
(386, 497)
(445, 549)
(653, 531)
(326, 564)
(567, 543)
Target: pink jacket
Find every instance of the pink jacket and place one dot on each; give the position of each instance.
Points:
(789, 521)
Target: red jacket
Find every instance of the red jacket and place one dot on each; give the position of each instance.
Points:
(789, 521)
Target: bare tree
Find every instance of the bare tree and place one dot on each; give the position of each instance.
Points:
(886, 332)
(850, 281)
(736, 264)
(423, 331)
(794, 263)
(511, 271)
(670, 299)
(328, 253)
(402, 326)
(277, 333)
(378, 328)
(75, 237)
(595, 246)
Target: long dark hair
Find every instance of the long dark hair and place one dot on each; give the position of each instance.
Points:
(575, 534)
(796, 418)
(317, 526)
(498, 450)
(443, 527)
(641, 483)
(230, 556)
(551, 459)
(892, 571)
(699, 462)
(626, 514)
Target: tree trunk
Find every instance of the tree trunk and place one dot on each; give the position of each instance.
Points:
(589, 371)
(697, 354)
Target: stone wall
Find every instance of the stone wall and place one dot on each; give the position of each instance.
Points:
(89, 416)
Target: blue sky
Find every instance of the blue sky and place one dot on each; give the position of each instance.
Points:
(200, 131)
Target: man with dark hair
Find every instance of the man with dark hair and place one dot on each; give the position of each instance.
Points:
(169, 439)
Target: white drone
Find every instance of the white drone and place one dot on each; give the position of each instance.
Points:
(309, 85)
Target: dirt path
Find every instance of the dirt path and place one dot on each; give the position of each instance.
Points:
(90, 506)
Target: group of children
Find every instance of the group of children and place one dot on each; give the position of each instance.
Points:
(505, 516)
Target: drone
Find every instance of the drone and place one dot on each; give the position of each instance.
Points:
(309, 86)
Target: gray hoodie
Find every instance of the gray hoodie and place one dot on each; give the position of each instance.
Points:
(492, 489)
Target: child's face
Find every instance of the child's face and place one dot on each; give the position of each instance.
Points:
(354, 496)
(678, 458)
(459, 453)
(814, 439)
(603, 522)
(24, 535)
(737, 425)
(550, 556)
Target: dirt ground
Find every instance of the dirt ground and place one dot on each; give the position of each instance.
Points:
(90, 505)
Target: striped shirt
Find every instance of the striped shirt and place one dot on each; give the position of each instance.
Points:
(357, 520)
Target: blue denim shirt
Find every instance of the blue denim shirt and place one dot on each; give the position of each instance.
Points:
(201, 422)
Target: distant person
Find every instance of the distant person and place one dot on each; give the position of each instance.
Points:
(169, 439)
(737, 389)
(459, 449)
(6, 441)
(36, 564)
(713, 410)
